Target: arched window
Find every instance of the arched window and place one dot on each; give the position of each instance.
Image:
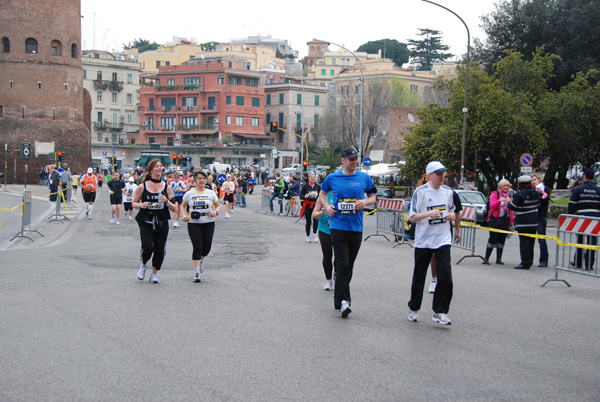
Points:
(74, 50)
(5, 45)
(31, 46)
(56, 48)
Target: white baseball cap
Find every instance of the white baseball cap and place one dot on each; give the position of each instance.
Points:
(435, 167)
(90, 170)
(131, 178)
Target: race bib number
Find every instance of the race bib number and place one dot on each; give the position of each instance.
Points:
(200, 203)
(313, 194)
(443, 214)
(346, 206)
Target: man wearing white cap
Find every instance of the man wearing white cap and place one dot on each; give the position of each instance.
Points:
(89, 184)
(432, 210)
(130, 188)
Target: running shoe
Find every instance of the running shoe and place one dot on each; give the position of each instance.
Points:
(117, 222)
(327, 285)
(130, 218)
(345, 310)
(197, 276)
(227, 216)
(308, 239)
(112, 220)
(432, 286)
(315, 239)
(413, 316)
(153, 278)
(442, 319)
(142, 272)
(176, 224)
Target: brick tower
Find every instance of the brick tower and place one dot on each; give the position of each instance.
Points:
(42, 99)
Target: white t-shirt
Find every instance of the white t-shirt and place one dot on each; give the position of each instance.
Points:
(129, 191)
(201, 203)
(432, 232)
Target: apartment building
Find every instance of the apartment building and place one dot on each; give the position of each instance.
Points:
(113, 84)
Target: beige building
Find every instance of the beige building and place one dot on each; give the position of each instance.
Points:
(114, 88)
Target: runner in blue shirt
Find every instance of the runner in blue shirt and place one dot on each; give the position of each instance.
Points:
(348, 188)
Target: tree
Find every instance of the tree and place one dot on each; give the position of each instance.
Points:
(326, 156)
(142, 45)
(503, 121)
(209, 46)
(428, 50)
(390, 48)
(567, 28)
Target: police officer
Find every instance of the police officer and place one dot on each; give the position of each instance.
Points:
(585, 200)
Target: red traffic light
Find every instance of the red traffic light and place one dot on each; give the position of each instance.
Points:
(305, 163)
(179, 156)
(174, 156)
(59, 153)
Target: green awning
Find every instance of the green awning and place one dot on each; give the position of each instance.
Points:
(143, 161)
(166, 161)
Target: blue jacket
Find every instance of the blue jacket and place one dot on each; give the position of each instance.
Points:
(525, 204)
(585, 200)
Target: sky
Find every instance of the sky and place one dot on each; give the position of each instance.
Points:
(107, 24)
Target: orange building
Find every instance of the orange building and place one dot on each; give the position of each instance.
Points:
(204, 102)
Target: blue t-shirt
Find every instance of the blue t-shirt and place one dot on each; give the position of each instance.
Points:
(345, 191)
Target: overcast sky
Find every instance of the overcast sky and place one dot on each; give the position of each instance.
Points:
(107, 24)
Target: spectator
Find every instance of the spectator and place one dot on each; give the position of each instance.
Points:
(525, 203)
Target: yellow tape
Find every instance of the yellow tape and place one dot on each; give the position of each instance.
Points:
(535, 236)
(11, 209)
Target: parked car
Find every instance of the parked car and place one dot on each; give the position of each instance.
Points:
(381, 193)
(474, 199)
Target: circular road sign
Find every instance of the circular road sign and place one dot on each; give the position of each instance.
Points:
(221, 178)
(526, 160)
(367, 161)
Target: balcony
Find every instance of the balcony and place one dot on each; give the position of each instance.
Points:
(100, 84)
(115, 85)
(177, 88)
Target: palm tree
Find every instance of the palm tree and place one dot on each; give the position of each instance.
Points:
(327, 156)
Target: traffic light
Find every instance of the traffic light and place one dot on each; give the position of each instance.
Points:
(274, 127)
(25, 150)
(174, 157)
(180, 156)
(59, 156)
(305, 164)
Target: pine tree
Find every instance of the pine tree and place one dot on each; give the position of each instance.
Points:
(429, 49)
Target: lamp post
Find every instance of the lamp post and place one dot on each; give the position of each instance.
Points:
(362, 84)
(302, 117)
(465, 110)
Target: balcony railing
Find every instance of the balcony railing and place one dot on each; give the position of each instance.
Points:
(172, 88)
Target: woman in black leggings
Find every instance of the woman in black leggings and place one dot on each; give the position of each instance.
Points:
(309, 195)
(154, 199)
(204, 207)
(325, 239)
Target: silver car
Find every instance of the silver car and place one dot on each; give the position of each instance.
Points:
(474, 199)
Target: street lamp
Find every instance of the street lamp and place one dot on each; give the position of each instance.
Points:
(465, 110)
(362, 84)
(302, 117)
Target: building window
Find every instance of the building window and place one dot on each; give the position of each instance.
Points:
(344, 90)
(99, 75)
(333, 61)
(74, 51)
(298, 99)
(84, 74)
(268, 118)
(151, 123)
(129, 99)
(220, 80)
(167, 63)
(99, 96)
(151, 140)
(239, 100)
(129, 78)
(170, 141)
(114, 76)
(298, 120)
(39, 84)
(239, 121)
(268, 99)
(281, 99)
(129, 119)
(251, 82)
(316, 121)
(99, 137)
(114, 97)
(170, 83)
(157, 63)
(414, 88)
(151, 104)
(228, 100)
(281, 137)
(323, 72)
(115, 120)
(190, 83)
(255, 122)
(188, 122)
(99, 117)
(167, 122)
(228, 120)
(255, 102)
(56, 48)
(316, 100)
(5, 45)
(332, 73)
(31, 46)
(280, 119)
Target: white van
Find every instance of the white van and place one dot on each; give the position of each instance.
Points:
(219, 167)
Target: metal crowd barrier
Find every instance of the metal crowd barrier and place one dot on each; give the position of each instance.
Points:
(390, 220)
(26, 218)
(576, 230)
(265, 205)
(468, 233)
(59, 200)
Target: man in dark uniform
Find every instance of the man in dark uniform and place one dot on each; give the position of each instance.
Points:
(585, 200)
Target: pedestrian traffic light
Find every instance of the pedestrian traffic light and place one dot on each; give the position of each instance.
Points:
(25, 150)
(274, 126)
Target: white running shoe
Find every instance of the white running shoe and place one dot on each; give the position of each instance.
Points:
(442, 319)
(142, 272)
(89, 217)
(130, 218)
(315, 239)
(176, 224)
(153, 278)
(117, 222)
(308, 239)
(327, 285)
(345, 310)
(432, 286)
(413, 316)
(112, 220)
(227, 216)
(197, 276)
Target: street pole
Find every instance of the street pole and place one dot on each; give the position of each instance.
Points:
(465, 110)
(302, 117)
(362, 84)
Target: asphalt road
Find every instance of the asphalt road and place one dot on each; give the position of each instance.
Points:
(76, 324)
